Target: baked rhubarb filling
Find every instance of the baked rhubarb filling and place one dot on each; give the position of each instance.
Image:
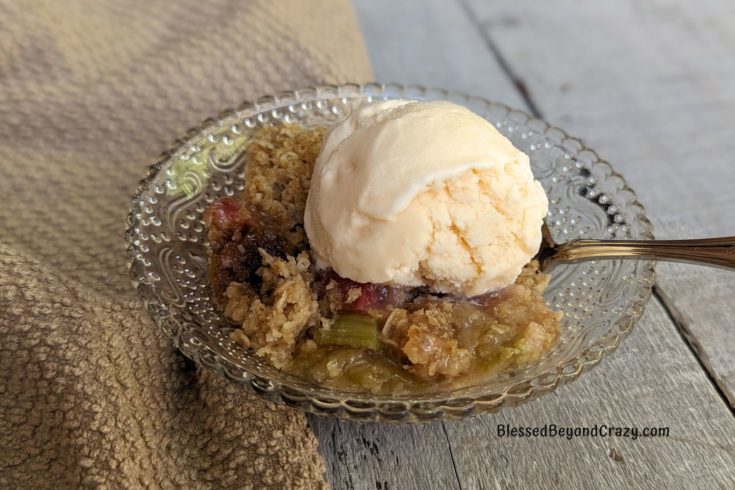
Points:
(304, 318)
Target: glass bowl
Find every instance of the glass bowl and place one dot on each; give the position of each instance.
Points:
(167, 254)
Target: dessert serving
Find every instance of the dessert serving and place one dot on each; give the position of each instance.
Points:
(390, 253)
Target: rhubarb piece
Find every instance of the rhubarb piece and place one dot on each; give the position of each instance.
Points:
(350, 330)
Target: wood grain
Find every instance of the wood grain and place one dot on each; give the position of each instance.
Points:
(431, 42)
(653, 379)
(651, 85)
(382, 456)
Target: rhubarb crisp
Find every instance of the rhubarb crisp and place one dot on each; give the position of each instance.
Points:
(309, 321)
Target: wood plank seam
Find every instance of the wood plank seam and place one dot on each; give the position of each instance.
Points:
(517, 81)
(451, 454)
(694, 347)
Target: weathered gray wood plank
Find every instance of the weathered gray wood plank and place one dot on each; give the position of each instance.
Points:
(380, 456)
(651, 85)
(430, 42)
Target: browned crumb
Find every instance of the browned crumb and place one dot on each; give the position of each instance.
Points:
(280, 160)
(523, 309)
(429, 341)
(446, 338)
(331, 299)
(352, 295)
(258, 269)
(273, 319)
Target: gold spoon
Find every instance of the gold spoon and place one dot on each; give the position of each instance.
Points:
(719, 252)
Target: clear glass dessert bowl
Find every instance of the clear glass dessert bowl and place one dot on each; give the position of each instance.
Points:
(167, 254)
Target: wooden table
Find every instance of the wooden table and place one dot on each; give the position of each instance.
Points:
(651, 86)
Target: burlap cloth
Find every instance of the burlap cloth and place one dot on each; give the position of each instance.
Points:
(91, 394)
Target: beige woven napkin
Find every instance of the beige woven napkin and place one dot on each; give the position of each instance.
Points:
(91, 394)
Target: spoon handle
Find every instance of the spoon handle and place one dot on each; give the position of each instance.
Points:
(718, 252)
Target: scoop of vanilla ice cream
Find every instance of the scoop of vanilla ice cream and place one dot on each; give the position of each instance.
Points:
(423, 194)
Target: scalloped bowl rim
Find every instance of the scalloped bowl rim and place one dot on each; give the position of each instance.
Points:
(536, 385)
